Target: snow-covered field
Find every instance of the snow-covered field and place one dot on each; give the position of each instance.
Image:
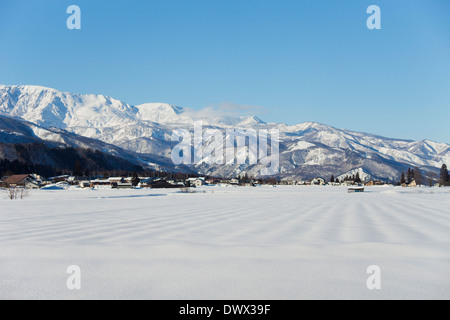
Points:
(227, 243)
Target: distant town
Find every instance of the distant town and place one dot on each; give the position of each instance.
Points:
(411, 178)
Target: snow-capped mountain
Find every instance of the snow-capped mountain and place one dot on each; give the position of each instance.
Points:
(307, 149)
(14, 131)
(160, 113)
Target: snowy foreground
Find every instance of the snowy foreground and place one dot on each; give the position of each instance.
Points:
(228, 243)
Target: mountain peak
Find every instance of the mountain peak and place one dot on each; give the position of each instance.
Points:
(27, 87)
(52, 108)
(308, 126)
(249, 121)
(159, 112)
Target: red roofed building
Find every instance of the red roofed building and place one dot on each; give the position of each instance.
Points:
(22, 180)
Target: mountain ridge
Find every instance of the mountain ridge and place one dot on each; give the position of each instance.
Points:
(307, 149)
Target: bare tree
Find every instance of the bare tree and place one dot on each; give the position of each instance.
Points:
(11, 192)
(14, 193)
(432, 178)
(22, 193)
(190, 190)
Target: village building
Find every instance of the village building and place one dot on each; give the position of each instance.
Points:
(147, 181)
(198, 183)
(334, 183)
(26, 181)
(121, 185)
(97, 182)
(374, 183)
(84, 184)
(161, 184)
(212, 181)
(318, 181)
(412, 184)
(61, 178)
(195, 182)
(288, 182)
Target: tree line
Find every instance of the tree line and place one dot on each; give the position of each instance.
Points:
(47, 161)
(355, 177)
(8, 168)
(416, 175)
(412, 174)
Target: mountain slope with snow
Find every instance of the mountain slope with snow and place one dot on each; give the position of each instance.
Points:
(14, 131)
(306, 149)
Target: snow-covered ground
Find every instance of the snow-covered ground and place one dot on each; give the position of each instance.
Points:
(227, 243)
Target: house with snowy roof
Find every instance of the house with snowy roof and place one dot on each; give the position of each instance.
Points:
(26, 181)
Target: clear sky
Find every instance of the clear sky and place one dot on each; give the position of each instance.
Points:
(284, 60)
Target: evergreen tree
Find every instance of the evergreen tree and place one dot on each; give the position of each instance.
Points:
(433, 178)
(332, 178)
(444, 177)
(402, 179)
(78, 169)
(409, 176)
(357, 178)
(418, 176)
(135, 179)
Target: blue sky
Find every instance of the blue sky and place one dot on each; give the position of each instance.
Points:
(284, 60)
